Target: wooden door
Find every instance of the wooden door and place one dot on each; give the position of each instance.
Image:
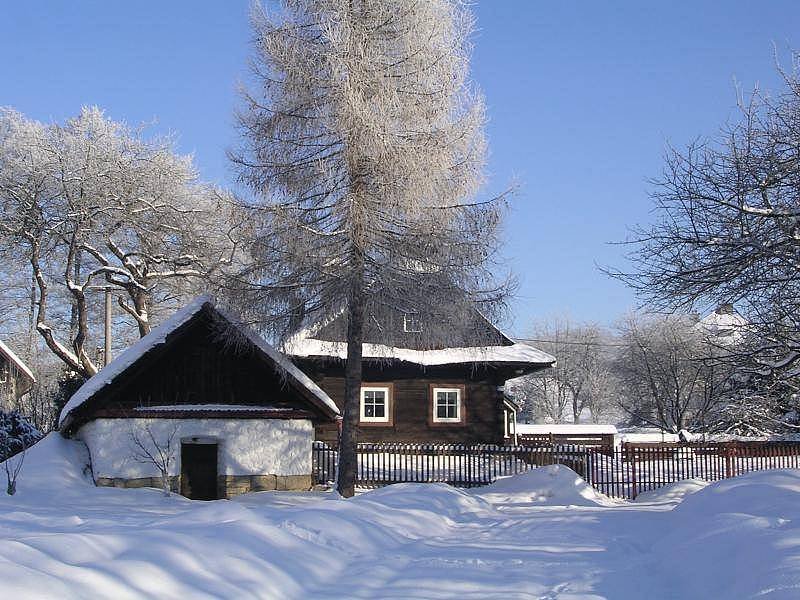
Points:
(199, 471)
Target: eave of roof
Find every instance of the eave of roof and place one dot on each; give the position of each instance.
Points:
(515, 354)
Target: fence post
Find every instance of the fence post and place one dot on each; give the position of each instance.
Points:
(632, 458)
(726, 452)
(587, 465)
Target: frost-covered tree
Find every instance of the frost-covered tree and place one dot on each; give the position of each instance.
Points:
(728, 231)
(93, 203)
(581, 380)
(670, 372)
(572, 385)
(362, 143)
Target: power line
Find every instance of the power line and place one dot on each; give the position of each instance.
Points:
(571, 343)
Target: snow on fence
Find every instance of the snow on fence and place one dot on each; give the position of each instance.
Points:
(622, 472)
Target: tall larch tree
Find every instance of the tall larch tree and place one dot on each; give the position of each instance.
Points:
(362, 145)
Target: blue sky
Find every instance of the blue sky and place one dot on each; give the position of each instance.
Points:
(582, 98)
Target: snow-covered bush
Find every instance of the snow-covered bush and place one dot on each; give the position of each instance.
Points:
(17, 434)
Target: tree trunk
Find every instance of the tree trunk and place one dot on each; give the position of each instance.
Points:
(348, 457)
(32, 317)
(41, 318)
(165, 482)
(73, 320)
(138, 309)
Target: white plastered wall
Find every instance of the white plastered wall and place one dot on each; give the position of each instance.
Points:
(246, 446)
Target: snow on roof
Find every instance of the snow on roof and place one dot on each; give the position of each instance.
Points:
(209, 407)
(159, 335)
(723, 323)
(515, 353)
(21, 366)
(565, 428)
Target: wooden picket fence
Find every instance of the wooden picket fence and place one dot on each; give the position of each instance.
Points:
(635, 468)
(619, 472)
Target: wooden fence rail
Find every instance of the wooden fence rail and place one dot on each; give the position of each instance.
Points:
(620, 472)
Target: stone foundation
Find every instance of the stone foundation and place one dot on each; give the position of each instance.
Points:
(227, 485)
(233, 485)
(139, 482)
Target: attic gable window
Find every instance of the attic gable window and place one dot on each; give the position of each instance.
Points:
(447, 405)
(375, 404)
(411, 323)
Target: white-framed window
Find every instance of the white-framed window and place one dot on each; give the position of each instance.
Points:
(446, 405)
(375, 404)
(411, 323)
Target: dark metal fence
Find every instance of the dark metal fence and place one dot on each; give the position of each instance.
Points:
(620, 472)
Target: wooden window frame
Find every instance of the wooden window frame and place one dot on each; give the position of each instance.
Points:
(389, 388)
(462, 404)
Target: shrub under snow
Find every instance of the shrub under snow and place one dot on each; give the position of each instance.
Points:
(17, 433)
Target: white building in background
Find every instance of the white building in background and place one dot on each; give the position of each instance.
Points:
(724, 324)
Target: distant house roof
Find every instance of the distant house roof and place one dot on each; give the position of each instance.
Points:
(21, 368)
(724, 324)
(160, 335)
(565, 428)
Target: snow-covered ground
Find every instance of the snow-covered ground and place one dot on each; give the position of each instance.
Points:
(543, 534)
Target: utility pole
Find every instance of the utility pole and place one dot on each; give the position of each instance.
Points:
(107, 351)
(107, 289)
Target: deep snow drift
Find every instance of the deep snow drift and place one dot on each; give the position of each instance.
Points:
(553, 485)
(544, 534)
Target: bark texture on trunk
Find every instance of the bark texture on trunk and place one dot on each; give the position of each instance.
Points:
(348, 458)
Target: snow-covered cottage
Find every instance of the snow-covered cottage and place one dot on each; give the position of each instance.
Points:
(232, 417)
(412, 394)
(16, 379)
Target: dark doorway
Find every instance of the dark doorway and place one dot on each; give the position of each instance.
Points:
(199, 471)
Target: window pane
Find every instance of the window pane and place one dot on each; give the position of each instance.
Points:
(447, 404)
(374, 403)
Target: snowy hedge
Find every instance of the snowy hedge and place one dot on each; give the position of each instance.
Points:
(16, 434)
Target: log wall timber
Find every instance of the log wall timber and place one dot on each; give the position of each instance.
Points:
(411, 413)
